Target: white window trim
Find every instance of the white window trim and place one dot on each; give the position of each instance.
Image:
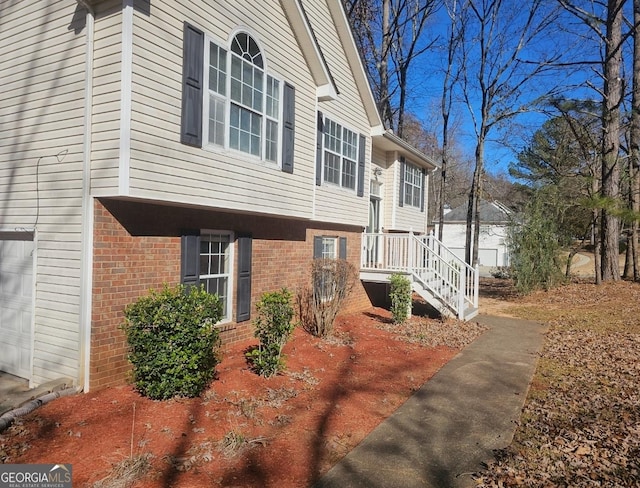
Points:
(231, 273)
(226, 45)
(409, 165)
(324, 149)
(336, 245)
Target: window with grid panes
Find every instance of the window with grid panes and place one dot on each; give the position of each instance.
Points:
(244, 109)
(412, 185)
(340, 165)
(215, 266)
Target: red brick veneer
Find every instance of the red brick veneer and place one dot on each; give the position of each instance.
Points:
(127, 266)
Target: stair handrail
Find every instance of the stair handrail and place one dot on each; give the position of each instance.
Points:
(429, 261)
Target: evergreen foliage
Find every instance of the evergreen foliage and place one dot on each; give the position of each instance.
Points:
(273, 329)
(400, 294)
(534, 246)
(173, 342)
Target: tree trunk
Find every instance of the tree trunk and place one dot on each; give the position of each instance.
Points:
(596, 233)
(635, 144)
(610, 224)
(384, 102)
(445, 107)
(473, 216)
(402, 73)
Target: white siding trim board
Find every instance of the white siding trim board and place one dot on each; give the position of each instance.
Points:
(126, 70)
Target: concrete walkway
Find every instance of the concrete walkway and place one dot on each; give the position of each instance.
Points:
(449, 427)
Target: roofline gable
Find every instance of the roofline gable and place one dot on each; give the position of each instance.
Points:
(355, 60)
(388, 141)
(325, 85)
(490, 212)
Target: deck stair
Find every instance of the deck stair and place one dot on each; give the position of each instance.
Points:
(444, 280)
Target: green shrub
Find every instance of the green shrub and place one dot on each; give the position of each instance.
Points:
(400, 295)
(534, 247)
(273, 327)
(173, 344)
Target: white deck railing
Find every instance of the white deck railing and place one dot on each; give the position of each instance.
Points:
(429, 262)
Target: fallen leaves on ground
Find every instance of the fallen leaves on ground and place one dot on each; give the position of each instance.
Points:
(245, 430)
(580, 426)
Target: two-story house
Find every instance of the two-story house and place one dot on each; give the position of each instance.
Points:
(225, 143)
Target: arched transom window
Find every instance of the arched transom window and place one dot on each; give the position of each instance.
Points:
(243, 98)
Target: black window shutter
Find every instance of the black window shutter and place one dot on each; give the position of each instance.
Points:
(192, 89)
(361, 156)
(320, 136)
(422, 190)
(343, 248)
(317, 247)
(190, 260)
(243, 309)
(402, 165)
(288, 127)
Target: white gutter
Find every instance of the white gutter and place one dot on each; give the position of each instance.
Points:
(388, 141)
(86, 262)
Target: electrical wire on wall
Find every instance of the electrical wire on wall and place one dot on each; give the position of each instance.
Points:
(60, 157)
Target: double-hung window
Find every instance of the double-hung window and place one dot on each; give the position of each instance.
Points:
(244, 106)
(215, 266)
(207, 259)
(340, 155)
(413, 181)
(329, 248)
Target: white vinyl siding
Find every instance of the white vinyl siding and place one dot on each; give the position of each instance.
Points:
(348, 109)
(395, 217)
(163, 169)
(105, 148)
(492, 248)
(408, 217)
(42, 121)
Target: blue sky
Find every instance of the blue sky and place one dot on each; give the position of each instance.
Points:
(426, 85)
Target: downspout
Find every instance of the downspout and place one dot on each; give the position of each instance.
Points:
(86, 263)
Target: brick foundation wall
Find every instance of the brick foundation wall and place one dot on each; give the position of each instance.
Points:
(124, 268)
(131, 257)
(289, 265)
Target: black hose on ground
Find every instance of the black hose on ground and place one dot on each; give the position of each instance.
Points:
(8, 418)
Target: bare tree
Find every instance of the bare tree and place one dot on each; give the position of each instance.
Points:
(498, 74)
(635, 144)
(391, 36)
(446, 101)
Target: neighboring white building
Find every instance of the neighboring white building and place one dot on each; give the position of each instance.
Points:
(492, 245)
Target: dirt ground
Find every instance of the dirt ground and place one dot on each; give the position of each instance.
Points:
(245, 430)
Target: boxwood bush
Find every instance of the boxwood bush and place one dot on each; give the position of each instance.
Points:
(173, 344)
(400, 294)
(273, 329)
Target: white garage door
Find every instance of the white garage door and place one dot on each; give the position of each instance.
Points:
(16, 287)
(488, 257)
